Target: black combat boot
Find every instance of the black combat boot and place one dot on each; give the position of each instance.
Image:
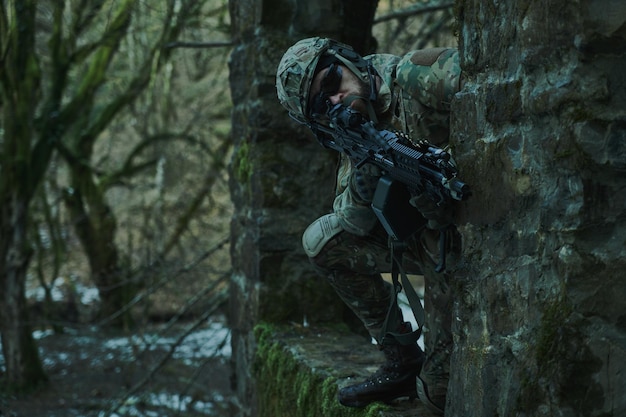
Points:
(394, 379)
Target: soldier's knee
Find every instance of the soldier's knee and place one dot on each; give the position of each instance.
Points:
(317, 236)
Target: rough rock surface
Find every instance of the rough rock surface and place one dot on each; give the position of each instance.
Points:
(540, 133)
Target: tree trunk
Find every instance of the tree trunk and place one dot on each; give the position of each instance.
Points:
(281, 178)
(539, 133)
(96, 226)
(21, 357)
(22, 165)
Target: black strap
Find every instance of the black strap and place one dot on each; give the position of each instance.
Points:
(394, 314)
(443, 242)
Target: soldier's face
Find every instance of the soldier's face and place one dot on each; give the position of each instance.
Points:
(336, 83)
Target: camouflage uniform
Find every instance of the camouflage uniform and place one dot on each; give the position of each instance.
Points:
(415, 98)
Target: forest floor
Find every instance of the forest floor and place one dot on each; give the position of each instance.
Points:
(149, 373)
(157, 370)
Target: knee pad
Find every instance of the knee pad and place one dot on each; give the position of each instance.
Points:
(319, 233)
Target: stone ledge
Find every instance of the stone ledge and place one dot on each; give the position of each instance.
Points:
(299, 371)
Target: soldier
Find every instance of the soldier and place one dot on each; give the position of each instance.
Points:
(411, 94)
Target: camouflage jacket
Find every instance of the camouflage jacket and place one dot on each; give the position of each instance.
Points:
(415, 98)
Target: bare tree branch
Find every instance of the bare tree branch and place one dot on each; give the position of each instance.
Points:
(216, 301)
(413, 10)
(180, 44)
(164, 281)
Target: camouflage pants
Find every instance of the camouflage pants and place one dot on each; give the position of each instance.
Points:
(353, 265)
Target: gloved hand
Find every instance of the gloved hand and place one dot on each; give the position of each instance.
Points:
(364, 181)
(438, 216)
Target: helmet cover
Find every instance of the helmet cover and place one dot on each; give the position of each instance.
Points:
(299, 65)
(295, 74)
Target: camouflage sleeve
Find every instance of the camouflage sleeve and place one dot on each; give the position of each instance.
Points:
(431, 76)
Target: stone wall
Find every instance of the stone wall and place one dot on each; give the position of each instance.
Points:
(539, 132)
(281, 179)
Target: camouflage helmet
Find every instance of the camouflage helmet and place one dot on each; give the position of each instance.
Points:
(297, 68)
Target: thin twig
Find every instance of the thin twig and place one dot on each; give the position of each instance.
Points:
(200, 368)
(180, 44)
(219, 298)
(412, 11)
(163, 281)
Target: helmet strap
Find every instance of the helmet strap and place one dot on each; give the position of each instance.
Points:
(359, 69)
(372, 77)
(364, 70)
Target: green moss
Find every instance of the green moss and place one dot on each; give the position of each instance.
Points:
(242, 167)
(551, 333)
(288, 388)
(530, 393)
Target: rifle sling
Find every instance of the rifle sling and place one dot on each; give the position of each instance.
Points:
(394, 314)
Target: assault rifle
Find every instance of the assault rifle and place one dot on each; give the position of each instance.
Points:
(410, 168)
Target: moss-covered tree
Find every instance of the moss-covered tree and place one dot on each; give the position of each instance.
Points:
(58, 95)
(23, 157)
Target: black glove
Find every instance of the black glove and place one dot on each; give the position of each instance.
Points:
(364, 181)
(438, 216)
